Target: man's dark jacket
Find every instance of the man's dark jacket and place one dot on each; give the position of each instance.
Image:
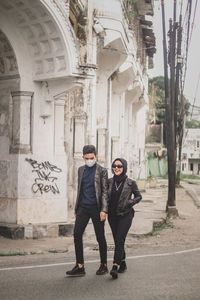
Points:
(101, 187)
(126, 200)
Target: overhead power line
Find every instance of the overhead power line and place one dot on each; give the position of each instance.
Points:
(195, 10)
(195, 96)
(189, 8)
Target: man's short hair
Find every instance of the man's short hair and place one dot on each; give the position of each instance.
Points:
(89, 149)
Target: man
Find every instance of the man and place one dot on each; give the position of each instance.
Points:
(91, 202)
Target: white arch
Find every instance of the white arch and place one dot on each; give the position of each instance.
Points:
(19, 47)
(57, 11)
(44, 44)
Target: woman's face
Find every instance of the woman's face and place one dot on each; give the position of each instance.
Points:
(117, 167)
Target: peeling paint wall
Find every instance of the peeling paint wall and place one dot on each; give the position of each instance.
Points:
(8, 210)
(8, 164)
(4, 115)
(4, 178)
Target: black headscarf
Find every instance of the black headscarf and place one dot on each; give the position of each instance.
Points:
(122, 176)
(117, 187)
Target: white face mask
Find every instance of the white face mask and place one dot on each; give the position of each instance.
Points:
(90, 162)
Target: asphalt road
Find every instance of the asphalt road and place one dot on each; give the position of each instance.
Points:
(155, 273)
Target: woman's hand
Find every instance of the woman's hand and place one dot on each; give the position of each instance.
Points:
(102, 216)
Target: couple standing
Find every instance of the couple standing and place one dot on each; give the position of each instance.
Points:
(96, 197)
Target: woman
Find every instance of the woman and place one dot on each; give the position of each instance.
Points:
(120, 211)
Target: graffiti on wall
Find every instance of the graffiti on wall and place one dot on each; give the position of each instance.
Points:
(45, 176)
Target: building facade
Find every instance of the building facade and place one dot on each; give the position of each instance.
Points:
(191, 152)
(71, 73)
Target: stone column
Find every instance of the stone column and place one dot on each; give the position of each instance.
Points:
(115, 147)
(59, 106)
(79, 134)
(101, 144)
(21, 122)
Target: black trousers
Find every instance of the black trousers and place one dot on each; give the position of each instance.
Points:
(120, 226)
(84, 213)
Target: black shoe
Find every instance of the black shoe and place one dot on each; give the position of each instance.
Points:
(122, 267)
(114, 272)
(76, 271)
(102, 269)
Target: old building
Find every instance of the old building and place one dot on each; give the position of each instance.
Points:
(191, 152)
(71, 73)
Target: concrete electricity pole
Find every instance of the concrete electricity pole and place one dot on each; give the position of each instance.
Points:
(170, 110)
(179, 132)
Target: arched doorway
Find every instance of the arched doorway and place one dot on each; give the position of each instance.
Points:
(38, 58)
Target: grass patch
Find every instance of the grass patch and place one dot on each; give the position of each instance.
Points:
(189, 176)
(184, 177)
(57, 251)
(14, 254)
(34, 252)
(161, 226)
(53, 251)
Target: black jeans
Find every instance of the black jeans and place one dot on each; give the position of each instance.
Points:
(120, 226)
(84, 213)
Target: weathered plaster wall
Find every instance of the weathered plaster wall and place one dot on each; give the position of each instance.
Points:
(54, 105)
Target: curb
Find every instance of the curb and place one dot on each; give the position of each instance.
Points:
(194, 197)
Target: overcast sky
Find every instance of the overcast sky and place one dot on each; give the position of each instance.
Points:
(193, 70)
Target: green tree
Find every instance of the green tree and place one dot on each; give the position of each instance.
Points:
(192, 124)
(157, 102)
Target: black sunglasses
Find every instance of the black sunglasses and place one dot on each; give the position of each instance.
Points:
(117, 166)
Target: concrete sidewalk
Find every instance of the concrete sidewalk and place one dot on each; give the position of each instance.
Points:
(193, 190)
(150, 210)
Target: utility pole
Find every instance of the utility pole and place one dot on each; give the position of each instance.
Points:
(166, 81)
(178, 69)
(171, 144)
(172, 149)
(179, 131)
(169, 105)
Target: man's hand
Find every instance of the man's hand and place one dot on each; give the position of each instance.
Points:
(102, 216)
(74, 214)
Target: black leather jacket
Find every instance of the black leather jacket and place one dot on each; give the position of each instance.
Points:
(126, 199)
(101, 187)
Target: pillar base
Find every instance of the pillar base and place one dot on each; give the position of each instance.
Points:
(172, 212)
(36, 231)
(12, 231)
